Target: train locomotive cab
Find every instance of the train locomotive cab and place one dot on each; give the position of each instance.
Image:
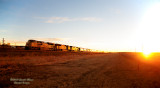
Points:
(31, 45)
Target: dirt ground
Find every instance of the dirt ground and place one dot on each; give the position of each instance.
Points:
(110, 70)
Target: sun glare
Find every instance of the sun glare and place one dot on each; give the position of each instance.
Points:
(148, 31)
(147, 53)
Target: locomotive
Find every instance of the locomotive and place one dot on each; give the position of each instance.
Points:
(41, 45)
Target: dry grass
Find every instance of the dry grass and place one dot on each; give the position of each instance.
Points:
(13, 62)
(112, 70)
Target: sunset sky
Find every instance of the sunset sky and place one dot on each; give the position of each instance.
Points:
(109, 25)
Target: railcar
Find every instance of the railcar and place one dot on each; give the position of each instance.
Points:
(51, 46)
(73, 48)
(77, 49)
(69, 48)
(82, 49)
(60, 47)
(57, 47)
(63, 48)
(88, 50)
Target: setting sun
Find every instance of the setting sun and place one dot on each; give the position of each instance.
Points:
(147, 53)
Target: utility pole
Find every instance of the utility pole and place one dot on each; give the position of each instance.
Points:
(3, 41)
(142, 47)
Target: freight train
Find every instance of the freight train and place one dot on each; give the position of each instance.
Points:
(41, 45)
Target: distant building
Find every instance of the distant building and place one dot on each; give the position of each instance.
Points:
(5, 47)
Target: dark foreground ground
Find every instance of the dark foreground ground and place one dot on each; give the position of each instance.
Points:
(110, 70)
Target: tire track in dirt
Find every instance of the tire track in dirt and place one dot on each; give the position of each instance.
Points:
(94, 78)
(62, 75)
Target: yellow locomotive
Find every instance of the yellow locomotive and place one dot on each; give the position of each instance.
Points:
(40, 45)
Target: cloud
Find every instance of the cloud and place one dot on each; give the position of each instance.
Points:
(67, 19)
(58, 19)
(92, 19)
(3, 30)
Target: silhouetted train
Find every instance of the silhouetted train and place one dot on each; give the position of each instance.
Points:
(40, 45)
